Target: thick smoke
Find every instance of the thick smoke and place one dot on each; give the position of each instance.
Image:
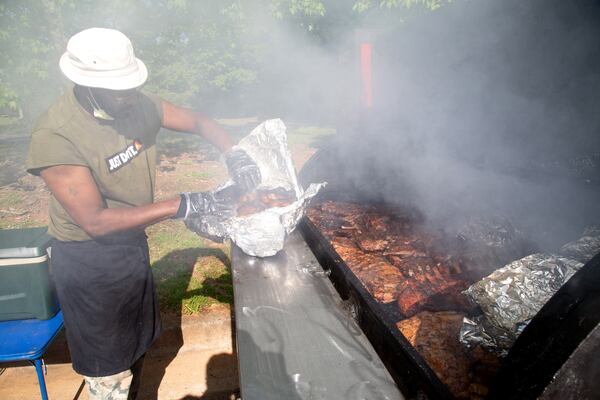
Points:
(481, 107)
(301, 75)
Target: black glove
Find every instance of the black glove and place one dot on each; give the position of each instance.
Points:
(242, 169)
(202, 204)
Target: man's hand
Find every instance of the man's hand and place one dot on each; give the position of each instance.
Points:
(242, 169)
(200, 204)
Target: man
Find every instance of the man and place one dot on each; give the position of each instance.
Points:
(95, 150)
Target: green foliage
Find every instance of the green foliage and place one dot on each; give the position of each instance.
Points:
(8, 98)
(196, 51)
(306, 8)
(361, 6)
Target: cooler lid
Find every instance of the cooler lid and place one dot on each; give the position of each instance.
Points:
(24, 243)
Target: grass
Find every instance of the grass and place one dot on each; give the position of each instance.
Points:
(200, 175)
(9, 121)
(10, 200)
(308, 135)
(7, 224)
(191, 273)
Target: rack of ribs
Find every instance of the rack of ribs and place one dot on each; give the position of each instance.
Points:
(392, 256)
(401, 262)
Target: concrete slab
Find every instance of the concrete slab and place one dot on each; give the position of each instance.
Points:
(193, 359)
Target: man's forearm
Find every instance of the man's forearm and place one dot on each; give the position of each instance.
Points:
(113, 220)
(185, 120)
(214, 133)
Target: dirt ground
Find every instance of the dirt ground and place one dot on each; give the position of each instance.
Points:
(195, 356)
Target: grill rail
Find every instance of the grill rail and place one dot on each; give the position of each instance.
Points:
(294, 337)
(409, 370)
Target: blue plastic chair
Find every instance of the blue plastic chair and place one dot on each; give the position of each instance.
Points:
(27, 340)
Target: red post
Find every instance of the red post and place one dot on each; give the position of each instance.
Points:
(366, 74)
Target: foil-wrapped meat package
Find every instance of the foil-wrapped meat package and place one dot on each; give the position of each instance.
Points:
(511, 296)
(489, 242)
(263, 233)
(584, 248)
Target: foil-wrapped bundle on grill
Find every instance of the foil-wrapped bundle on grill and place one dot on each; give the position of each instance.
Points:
(512, 295)
(584, 248)
(490, 242)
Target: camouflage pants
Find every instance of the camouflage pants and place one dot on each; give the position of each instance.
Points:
(115, 387)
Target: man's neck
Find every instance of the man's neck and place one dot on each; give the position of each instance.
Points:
(82, 98)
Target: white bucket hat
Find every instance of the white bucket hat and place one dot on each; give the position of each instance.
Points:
(102, 58)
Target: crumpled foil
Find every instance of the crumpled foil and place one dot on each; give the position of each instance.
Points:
(489, 242)
(479, 331)
(263, 234)
(584, 248)
(511, 296)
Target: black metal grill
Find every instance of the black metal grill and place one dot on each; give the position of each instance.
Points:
(544, 346)
(407, 367)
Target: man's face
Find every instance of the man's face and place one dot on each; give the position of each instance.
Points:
(117, 103)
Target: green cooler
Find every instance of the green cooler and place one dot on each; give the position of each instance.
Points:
(26, 290)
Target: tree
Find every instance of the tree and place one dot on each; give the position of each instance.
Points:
(198, 53)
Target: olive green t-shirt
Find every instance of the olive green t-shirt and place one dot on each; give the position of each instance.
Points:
(121, 154)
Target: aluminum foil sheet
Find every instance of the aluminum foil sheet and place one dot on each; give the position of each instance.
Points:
(479, 331)
(511, 296)
(490, 242)
(263, 234)
(494, 231)
(584, 248)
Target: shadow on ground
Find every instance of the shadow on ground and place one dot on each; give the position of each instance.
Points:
(220, 367)
(164, 351)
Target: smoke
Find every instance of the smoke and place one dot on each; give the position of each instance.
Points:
(481, 107)
(301, 74)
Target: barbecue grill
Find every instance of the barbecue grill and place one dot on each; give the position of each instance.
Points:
(562, 327)
(550, 200)
(551, 353)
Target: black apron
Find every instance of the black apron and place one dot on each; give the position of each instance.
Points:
(107, 295)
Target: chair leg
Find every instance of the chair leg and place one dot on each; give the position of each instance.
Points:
(41, 379)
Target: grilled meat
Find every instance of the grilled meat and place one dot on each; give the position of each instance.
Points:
(379, 277)
(371, 244)
(435, 337)
(394, 258)
(400, 262)
(261, 199)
